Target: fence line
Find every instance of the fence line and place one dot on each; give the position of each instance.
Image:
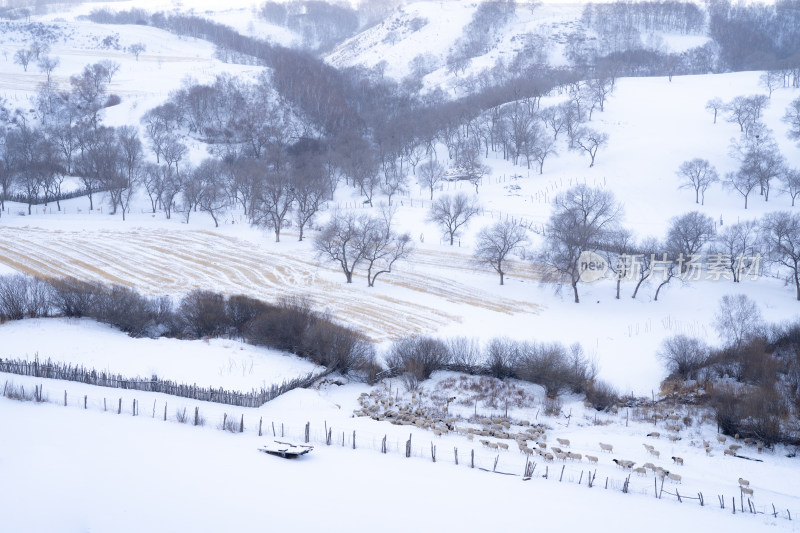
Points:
(90, 376)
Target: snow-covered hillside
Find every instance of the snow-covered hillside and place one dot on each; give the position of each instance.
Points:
(81, 466)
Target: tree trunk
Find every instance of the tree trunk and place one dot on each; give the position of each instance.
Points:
(638, 284)
(655, 298)
(575, 291)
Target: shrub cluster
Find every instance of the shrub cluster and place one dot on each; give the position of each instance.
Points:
(554, 366)
(753, 387)
(290, 325)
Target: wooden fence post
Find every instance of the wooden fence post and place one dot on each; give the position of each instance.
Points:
(241, 425)
(472, 458)
(260, 421)
(165, 411)
(119, 407)
(85, 401)
(65, 397)
(455, 452)
(354, 439)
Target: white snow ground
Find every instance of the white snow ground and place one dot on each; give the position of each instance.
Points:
(66, 469)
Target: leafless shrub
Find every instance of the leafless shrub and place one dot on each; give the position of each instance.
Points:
(202, 314)
(552, 405)
(181, 416)
(420, 356)
(229, 424)
(601, 395)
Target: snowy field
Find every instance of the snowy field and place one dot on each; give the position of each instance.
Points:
(124, 473)
(67, 469)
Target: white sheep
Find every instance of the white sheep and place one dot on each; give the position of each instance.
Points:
(746, 490)
(591, 459)
(708, 450)
(654, 453)
(729, 452)
(563, 442)
(548, 457)
(734, 447)
(674, 438)
(641, 471)
(648, 447)
(674, 477)
(654, 434)
(556, 449)
(743, 482)
(502, 445)
(677, 460)
(574, 456)
(561, 456)
(607, 447)
(649, 466)
(721, 439)
(624, 464)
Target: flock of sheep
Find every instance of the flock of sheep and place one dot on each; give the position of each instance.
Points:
(498, 432)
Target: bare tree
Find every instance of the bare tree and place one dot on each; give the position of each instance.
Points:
(736, 245)
(452, 213)
(742, 182)
(23, 57)
(212, 199)
(590, 141)
(342, 240)
(791, 182)
(431, 172)
(619, 252)
(384, 247)
(496, 243)
(738, 320)
(272, 200)
(47, 65)
(683, 355)
(642, 261)
(697, 174)
(771, 80)
(746, 111)
(717, 106)
(582, 220)
(688, 234)
(792, 118)
(780, 237)
(136, 49)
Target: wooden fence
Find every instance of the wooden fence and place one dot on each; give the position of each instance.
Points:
(90, 376)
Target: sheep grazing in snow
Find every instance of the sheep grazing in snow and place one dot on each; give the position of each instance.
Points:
(591, 459)
(641, 471)
(721, 439)
(556, 449)
(674, 438)
(607, 447)
(503, 445)
(654, 453)
(649, 466)
(677, 460)
(563, 442)
(574, 456)
(541, 445)
(708, 450)
(561, 456)
(734, 447)
(526, 450)
(624, 464)
(648, 447)
(760, 446)
(730, 452)
(674, 477)
(548, 457)
(743, 482)
(746, 490)
(706, 444)
(654, 434)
